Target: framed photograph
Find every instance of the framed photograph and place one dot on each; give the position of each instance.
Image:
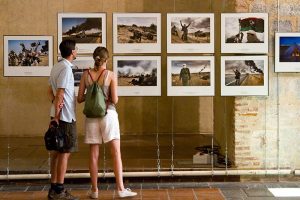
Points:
(87, 29)
(191, 76)
(244, 33)
(28, 55)
(287, 52)
(190, 33)
(138, 75)
(80, 65)
(136, 32)
(244, 75)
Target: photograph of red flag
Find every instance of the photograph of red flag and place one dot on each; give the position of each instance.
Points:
(244, 32)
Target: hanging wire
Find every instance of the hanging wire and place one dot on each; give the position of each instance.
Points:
(157, 140)
(172, 156)
(278, 139)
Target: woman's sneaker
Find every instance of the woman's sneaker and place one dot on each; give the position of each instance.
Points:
(93, 195)
(126, 193)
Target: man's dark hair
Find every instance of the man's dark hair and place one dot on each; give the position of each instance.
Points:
(66, 47)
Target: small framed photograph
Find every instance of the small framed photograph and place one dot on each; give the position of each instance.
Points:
(191, 76)
(190, 33)
(28, 55)
(87, 29)
(136, 32)
(287, 52)
(79, 66)
(244, 33)
(138, 75)
(244, 76)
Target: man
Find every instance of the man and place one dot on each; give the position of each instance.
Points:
(185, 75)
(62, 93)
(184, 29)
(237, 76)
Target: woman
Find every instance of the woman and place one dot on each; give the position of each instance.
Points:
(106, 128)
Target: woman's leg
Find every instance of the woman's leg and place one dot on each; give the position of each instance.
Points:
(94, 154)
(118, 168)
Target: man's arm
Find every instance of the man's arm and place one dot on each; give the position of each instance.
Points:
(50, 94)
(58, 101)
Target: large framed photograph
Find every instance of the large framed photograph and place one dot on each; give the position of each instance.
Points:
(136, 32)
(244, 75)
(28, 55)
(190, 33)
(87, 29)
(287, 52)
(138, 75)
(191, 76)
(244, 33)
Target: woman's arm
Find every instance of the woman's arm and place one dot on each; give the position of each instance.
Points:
(113, 88)
(81, 90)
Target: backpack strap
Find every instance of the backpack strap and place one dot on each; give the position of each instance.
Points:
(98, 76)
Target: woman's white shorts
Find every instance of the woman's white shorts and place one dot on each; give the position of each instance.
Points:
(102, 129)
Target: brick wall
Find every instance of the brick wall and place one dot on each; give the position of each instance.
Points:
(267, 129)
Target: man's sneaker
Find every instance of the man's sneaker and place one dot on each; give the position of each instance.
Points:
(51, 194)
(126, 193)
(64, 195)
(93, 195)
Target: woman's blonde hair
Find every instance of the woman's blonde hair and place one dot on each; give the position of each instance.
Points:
(100, 56)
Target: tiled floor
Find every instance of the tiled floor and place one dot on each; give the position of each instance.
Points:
(163, 191)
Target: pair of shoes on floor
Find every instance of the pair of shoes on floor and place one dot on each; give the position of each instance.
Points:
(64, 195)
(93, 195)
(126, 193)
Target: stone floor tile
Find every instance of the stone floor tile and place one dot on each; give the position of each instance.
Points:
(258, 192)
(233, 193)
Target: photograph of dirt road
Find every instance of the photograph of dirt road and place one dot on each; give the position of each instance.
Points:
(190, 30)
(137, 29)
(82, 30)
(244, 72)
(190, 72)
(137, 72)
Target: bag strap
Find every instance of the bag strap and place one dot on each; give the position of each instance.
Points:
(98, 76)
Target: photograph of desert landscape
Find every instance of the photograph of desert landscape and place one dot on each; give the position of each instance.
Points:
(28, 53)
(244, 73)
(190, 30)
(82, 30)
(190, 72)
(137, 72)
(137, 29)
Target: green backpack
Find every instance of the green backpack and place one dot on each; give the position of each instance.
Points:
(95, 104)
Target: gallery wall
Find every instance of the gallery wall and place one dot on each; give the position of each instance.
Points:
(25, 110)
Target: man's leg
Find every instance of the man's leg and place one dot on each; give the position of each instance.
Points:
(62, 166)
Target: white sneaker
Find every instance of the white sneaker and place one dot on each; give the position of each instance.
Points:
(93, 195)
(126, 193)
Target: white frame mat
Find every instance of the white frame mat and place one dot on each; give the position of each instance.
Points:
(191, 90)
(136, 90)
(245, 90)
(27, 70)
